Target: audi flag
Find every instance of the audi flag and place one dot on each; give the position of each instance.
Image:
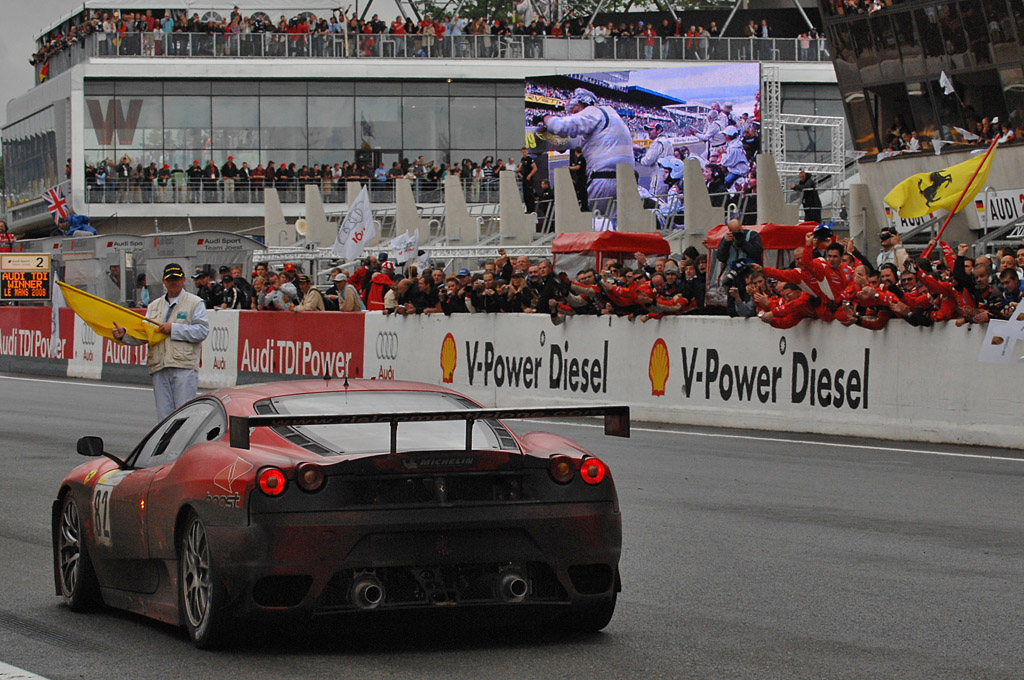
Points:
(356, 229)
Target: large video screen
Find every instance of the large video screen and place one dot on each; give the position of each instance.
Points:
(591, 122)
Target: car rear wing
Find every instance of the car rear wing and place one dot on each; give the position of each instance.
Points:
(616, 420)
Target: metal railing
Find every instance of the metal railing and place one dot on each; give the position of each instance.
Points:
(178, 189)
(389, 46)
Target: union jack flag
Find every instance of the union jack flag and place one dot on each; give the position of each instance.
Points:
(56, 203)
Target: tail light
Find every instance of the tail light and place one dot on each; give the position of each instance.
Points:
(271, 481)
(562, 469)
(593, 471)
(309, 476)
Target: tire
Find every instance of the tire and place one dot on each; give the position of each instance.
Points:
(201, 594)
(590, 618)
(78, 584)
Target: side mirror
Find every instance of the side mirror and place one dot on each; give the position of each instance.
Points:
(90, 446)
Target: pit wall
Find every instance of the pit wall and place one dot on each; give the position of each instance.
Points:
(901, 383)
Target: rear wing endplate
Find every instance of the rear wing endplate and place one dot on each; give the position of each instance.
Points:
(616, 420)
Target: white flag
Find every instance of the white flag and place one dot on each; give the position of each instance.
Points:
(967, 134)
(356, 229)
(946, 83)
(57, 301)
(404, 247)
(937, 144)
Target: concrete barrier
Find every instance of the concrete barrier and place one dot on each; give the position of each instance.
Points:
(902, 383)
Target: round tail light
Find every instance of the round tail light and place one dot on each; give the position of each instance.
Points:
(593, 471)
(309, 476)
(562, 469)
(271, 481)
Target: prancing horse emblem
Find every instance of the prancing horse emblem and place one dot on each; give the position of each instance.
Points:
(938, 180)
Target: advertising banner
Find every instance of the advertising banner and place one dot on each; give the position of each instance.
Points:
(86, 361)
(307, 343)
(25, 332)
(218, 365)
(707, 371)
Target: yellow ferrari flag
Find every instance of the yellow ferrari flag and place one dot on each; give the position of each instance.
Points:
(101, 316)
(926, 192)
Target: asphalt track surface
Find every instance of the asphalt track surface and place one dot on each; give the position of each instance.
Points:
(745, 555)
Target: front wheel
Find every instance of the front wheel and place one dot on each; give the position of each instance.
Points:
(201, 593)
(78, 584)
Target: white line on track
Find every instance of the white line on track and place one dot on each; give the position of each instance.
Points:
(12, 673)
(89, 383)
(806, 442)
(690, 433)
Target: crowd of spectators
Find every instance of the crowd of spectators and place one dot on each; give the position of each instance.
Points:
(831, 280)
(129, 182)
(155, 32)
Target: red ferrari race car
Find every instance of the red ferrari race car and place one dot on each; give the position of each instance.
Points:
(316, 498)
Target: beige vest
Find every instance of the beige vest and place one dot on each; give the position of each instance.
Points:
(173, 353)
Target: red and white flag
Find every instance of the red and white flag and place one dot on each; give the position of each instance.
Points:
(56, 203)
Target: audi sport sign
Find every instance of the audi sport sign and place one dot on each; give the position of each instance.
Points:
(218, 365)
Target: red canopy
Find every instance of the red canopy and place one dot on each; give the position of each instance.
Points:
(611, 242)
(773, 236)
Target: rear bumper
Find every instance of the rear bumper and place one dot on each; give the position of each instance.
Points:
(424, 557)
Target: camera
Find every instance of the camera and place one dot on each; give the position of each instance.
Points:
(736, 271)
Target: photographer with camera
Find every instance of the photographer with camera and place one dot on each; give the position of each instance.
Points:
(738, 245)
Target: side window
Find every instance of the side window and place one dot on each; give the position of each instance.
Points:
(197, 422)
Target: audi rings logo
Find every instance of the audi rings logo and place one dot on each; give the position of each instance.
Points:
(88, 337)
(219, 339)
(387, 346)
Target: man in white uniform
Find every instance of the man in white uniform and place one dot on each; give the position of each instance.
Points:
(173, 362)
(605, 140)
(661, 147)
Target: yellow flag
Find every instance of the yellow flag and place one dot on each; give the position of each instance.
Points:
(926, 192)
(101, 316)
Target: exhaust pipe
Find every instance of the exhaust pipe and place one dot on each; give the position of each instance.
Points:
(367, 592)
(512, 587)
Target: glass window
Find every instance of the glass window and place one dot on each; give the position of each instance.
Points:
(909, 43)
(420, 87)
(187, 122)
(885, 47)
(473, 122)
(471, 89)
(927, 21)
(201, 421)
(922, 110)
(425, 122)
(182, 158)
(287, 156)
(139, 123)
(977, 32)
(511, 123)
(278, 87)
(374, 437)
(953, 35)
(858, 115)
(283, 122)
(187, 87)
(331, 123)
(863, 44)
(234, 87)
(236, 123)
(378, 122)
(139, 87)
(378, 87)
(1012, 80)
(999, 25)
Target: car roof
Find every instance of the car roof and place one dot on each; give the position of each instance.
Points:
(240, 400)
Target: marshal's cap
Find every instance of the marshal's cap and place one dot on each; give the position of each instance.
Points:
(174, 271)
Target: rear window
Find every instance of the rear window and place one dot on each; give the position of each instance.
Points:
(334, 440)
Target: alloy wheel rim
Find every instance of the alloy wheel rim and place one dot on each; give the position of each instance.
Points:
(196, 574)
(70, 547)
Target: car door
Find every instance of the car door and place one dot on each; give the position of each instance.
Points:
(119, 500)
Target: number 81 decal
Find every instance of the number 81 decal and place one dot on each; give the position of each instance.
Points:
(101, 504)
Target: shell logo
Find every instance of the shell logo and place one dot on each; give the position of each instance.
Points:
(658, 368)
(449, 356)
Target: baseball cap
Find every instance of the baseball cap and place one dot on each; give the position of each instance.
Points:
(582, 95)
(382, 257)
(174, 271)
(224, 269)
(463, 272)
(655, 126)
(199, 273)
(341, 277)
(388, 266)
(226, 278)
(731, 131)
(231, 158)
(302, 278)
(289, 267)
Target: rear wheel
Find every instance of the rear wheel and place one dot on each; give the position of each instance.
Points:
(78, 584)
(201, 593)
